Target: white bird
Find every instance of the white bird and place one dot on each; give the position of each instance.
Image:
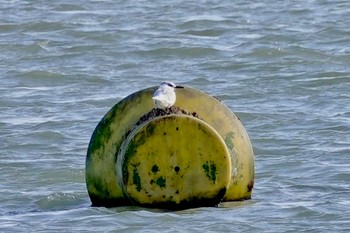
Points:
(165, 96)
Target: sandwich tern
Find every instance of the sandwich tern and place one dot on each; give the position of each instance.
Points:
(164, 96)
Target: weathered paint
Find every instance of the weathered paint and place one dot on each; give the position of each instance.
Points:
(136, 179)
(155, 169)
(161, 182)
(229, 140)
(210, 170)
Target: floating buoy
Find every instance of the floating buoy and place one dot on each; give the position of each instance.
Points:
(195, 153)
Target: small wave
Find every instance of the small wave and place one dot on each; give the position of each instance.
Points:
(62, 201)
(181, 51)
(214, 33)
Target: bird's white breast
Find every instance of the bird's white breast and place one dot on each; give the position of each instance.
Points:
(164, 96)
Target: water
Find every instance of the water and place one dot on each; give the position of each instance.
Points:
(283, 67)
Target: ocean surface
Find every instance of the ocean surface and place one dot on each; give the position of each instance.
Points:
(283, 67)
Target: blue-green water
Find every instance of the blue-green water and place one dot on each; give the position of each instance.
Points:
(282, 66)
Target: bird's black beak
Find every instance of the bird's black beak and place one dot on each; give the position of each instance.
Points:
(179, 86)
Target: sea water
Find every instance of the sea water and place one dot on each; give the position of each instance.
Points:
(283, 67)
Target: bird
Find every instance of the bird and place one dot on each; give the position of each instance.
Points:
(164, 96)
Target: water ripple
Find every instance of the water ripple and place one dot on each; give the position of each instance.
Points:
(283, 68)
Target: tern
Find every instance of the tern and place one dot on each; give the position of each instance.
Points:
(164, 96)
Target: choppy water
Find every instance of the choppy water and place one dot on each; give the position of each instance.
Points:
(282, 66)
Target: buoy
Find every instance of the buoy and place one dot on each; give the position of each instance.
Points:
(199, 156)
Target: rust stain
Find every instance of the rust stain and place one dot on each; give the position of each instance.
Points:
(250, 186)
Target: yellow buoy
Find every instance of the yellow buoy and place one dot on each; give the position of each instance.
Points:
(115, 129)
(174, 161)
